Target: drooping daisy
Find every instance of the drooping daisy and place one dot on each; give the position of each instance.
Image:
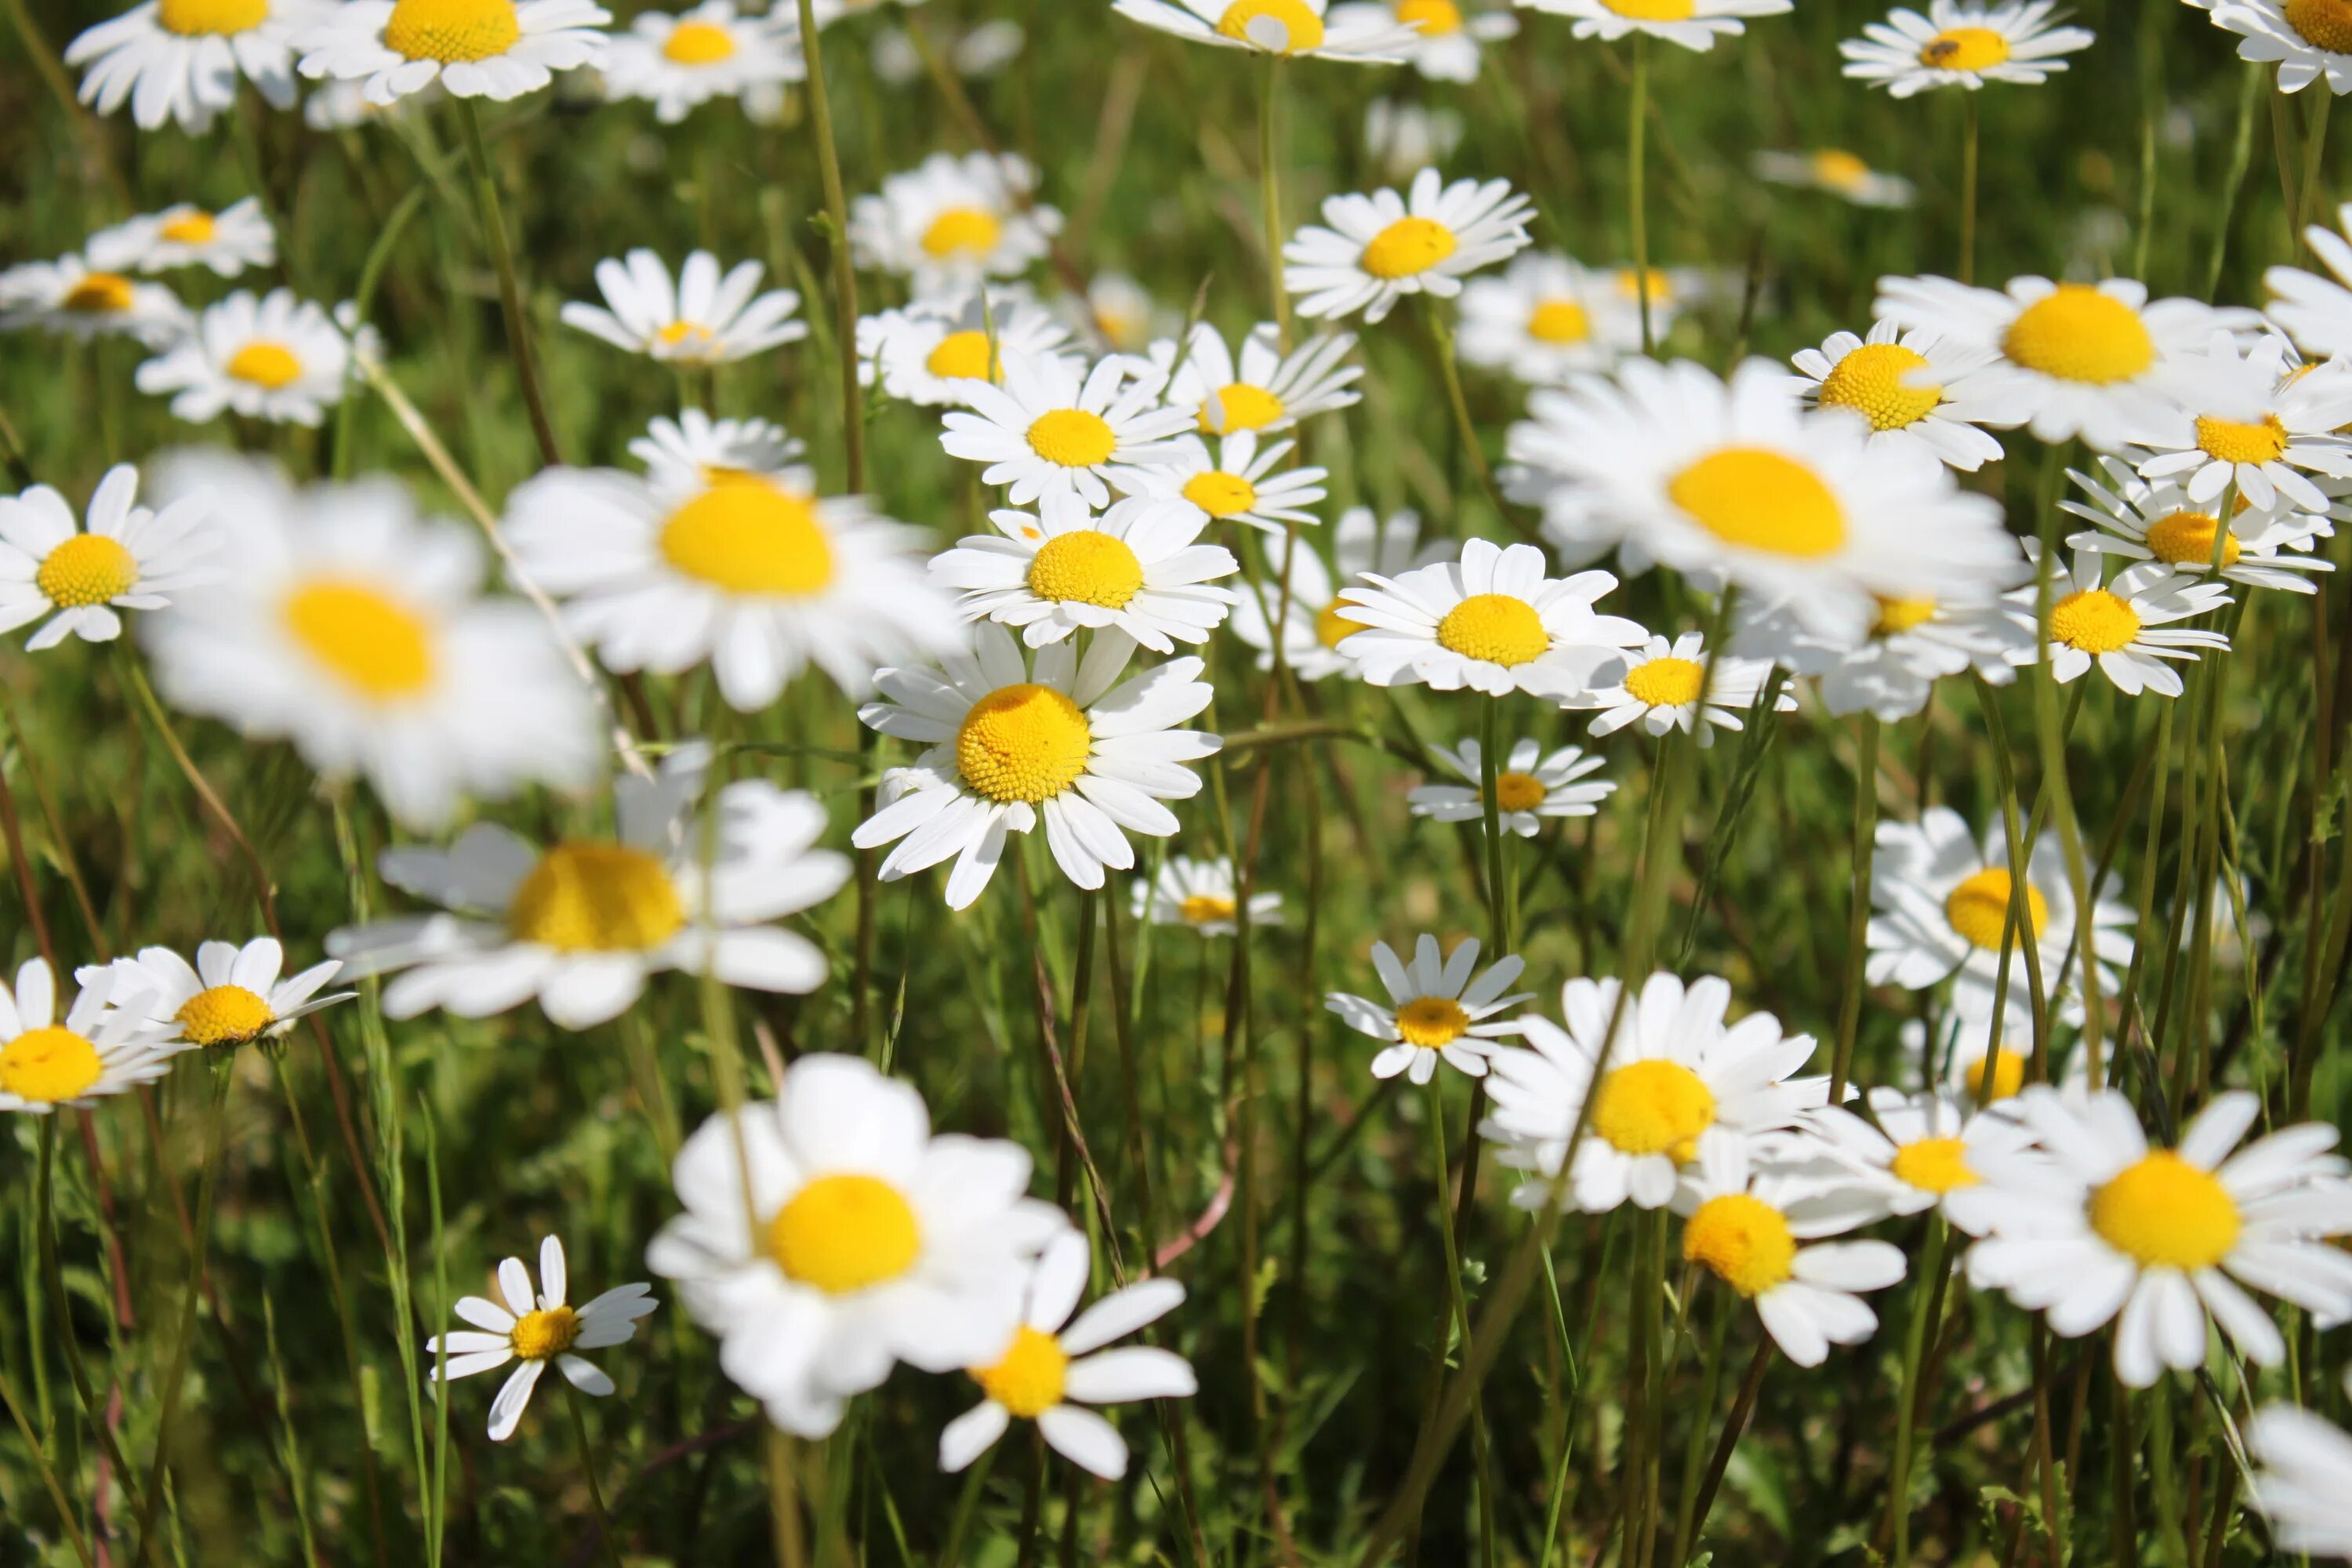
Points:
(1313, 623)
(128, 556)
(705, 318)
(1288, 28)
(694, 449)
(74, 300)
(1381, 248)
(951, 223)
(1139, 567)
(679, 63)
(1055, 428)
(1693, 24)
(927, 353)
(1662, 690)
(1493, 621)
(1239, 481)
(1528, 786)
(536, 1329)
(1448, 33)
(497, 49)
(2314, 311)
(278, 358)
(1400, 139)
(98, 1051)
(866, 1241)
(229, 996)
(2140, 520)
(1893, 667)
(350, 627)
(228, 242)
(2097, 1228)
(1962, 43)
(1260, 389)
(1913, 388)
(2255, 419)
(1202, 895)
(2122, 625)
(2308, 39)
(180, 59)
(1838, 172)
(1065, 741)
(1917, 1151)
(2305, 1484)
(1435, 1011)
(1546, 318)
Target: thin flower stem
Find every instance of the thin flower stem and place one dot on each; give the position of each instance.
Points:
(1449, 371)
(605, 1535)
(1459, 1307)
(975, 1487)
(845, 276)
(1866, 841)
(1636, 126)
(1694, 1448)
(2242, 155)
(1269, 182)
(66, 1519)
(1926, 1297)
(494, 225)
(52, 1278)
(1969, 115)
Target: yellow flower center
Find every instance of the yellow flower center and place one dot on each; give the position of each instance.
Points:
(1087, 567)
(1245, 407)
(961, 356)
(1559, 321)
(1332, 628)
(451, 31)
(1303, 27)
(224, 1015)
(1666, 682)
(585, 897)
(2007, 1077)
(371, 642)
(1897, 617)
(1430, 1022)
(2186, 539)
(1840, 171)
(2231, 441)
(698, 44)
(2093, 621)
(1495, 627)
(98, 294)
(202, 18)
(1025, 742)
(2165, 1213)
(543, 1335)
(844, 1234)
(2324, 24)
(49, 1065)
(1743, 1239)
(1073, 439)
(190, 228)
(1653, 1108)
(1653, 10)
(1204, 908)
(266, 364)
(699, 341)
(1407, 246)
(1221, 494)
(1518, 791)
(1964, 49)
(1870, 381)
(1629, 282)
(87, 568)
(1437, 17)
(2078, 333)
(751, 537)
(1028, 1380)
(961, 231)
(1759, 499)
(1936, 1165)
(1979, 909)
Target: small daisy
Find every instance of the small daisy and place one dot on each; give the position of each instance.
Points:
(1893, 669)
(1200, 894)
(1262, 388)
(2142, 521)
(828, 1235)
(106, 1044)
(1661, 689)
(1008, 745)
(1917, 1151)
(2305, 1484)
(1544, 319)
(2307, 38)
(1372, 36)
(2096, 1228)
(2120, 626)
(1966, 1037)
(231, 995)
(1448, 34)
(1316, 623)
(128, 556)
(1116, 310)
(677, 62)
(1381, 248)
(951, 223)
(1055, 428)
(694, 449)
(1693, 24)
(706, 317)
(1139, 567)
(278, 358)
(1051, 1370)
(1493, 621)
(1435, 1011)
(536, 1330)
(497, 49)
(228, 242)
(2314, 311)
(180, 59)
(74, 300)
(1673, 290)
(2254, 418)
(927, 353)
(1240, 481)
(1840, 173)
(1401, 139)
(1914, 387)
(1962, 43)
(1528, 787)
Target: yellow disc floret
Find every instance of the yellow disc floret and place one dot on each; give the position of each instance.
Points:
(191, 226)
(266, 364)
(845, 1233)
(1430, 1022)
(1759, 499)
(1243, 408)
(1743, 1239)
(1086, 566)
(87, 569)
(1025, 742)
(1667, 682)
(1964, 49)
(1205, 908)
(961, 356)
(1332, 626)
(546, 1333)
(211, 19)
(1028, 1380)
(698, 44)
(1839, 170)
(49, 1065)
(1408, 247)
(2240, 441)
(1437, 17)
(224, 1015)
(2077, 333)
(961, 231)
(1221, 494)
(1653, 10)
(1495, 627)
(1897, 617)
(370, 641)
(1653, 1108)
(1979, 909)
(2093, 621)
(1559, 323)
(452, 31)
(2164, 1213)
(1937, 1165)
(586, 896)
(1073, 439)
(1302, 29)
(2323, 24)
(2186, 539)
(98, 294)
(751, 537)
(1518, 791)
(1876, 381)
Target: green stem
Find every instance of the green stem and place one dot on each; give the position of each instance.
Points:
(1458, 1306)
(1926, 1297)
(845, 276)
(1969, 188)
(1695, 1445)
(975, 1486)
(1866, 845)
(494, 224)
(72, 1526)
(1636, 127)
(1269, 183)
(53, 1275)
(588, 1469)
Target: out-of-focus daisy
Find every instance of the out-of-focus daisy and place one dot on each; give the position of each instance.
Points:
(1239, 481)
(1544, 319)
(1662, 690)
(1493, 621)
(951, 223)
(1116, 310)
(125, 555)
(71, 298)
(1528, 786)
(1261, 388)
(2307, 39)
(977, 53)
(705, 318)
(1918, 1151)
(1052, 1370)
(351, 627)
(1693, 24)
(677, 62)
(1290, 27)
(2314, 311)
(583, 923)
(180, 59)
(2099, 1227)
(828, 1235)
(105, 1045)
(1402, 138)
(278, 358)
(1315, 624)
(1962, 43)
(927, 353)
(1448, 37)
(2253, 419)
(1065, 741)
(1435, 1011)
(694, 449)
(2304, 1486)
(536, 1329)
(1048, 431)
(1838, 172)
(1891, 670)
(1912, 386)
(1376, 249)
(497, 49)
(2121, 626)
(344, 106)
(228, 242)
(2142, 521)
(1672, 291)
(1139, 567)
(1976, 1053)
(1202, 895)
(229, 996)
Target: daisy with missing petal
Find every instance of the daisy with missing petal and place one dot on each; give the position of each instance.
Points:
(231, 995)
(1435, 1011)
(1313, 619)
(951, 223)
(1693, 24)
(1381, 248)
(278, 358)
(1962, 43)
(694, 450)
(2305, 1484)
(2256, 419)
(2096, 1228)
(2314, 311)
(2142, 521)
(536, 1329)
(105, 1045)
(1054, 1366)
(497, 49)
(1661, 686)
(1289, 28)
(1200, 894)
(1544, 319)
(1892, 670)
(1492, 622)
(1450, 32)
(705, 318)
(180, 59)
(1838, 172)
(1914, 387)
(677, 62)
(1055, 428)
(72, 298)
(2121, 626)
(927, 353)
(1240, 481)
(1916, 1151)
(2308, 39)
(1528, 787)
(1261, 388)
(828, 1235)
(1138, 567)
(226, 242)
(1065, 741)
(128, 556)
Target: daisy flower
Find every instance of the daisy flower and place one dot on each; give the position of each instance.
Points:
(1372, 36)
(228, 242)
(1065, 741)
(1892, 670)
(1381, 248)
(1915, 388)
(1962, 43)
(1677, 1072)
(1055, 428)
(1493, 621)
(751, 571)
(1400, 139)
(951, 223)
(1116, 310)
(1448, 33)
(497, 49)
(351, 627)
(2099, 1227)
(2307, 41)
(694, 449)
(105, 1045)
(1672, 291)
(828, 1235)
(1435, 1011)
(677, 62)
(127, 556)
(1693, 24)
(1316, 622)
(1139, 567)
(2304, 1486)
(1838, 172)
(231, 995)
(1261, 388)
(74, 300)
(1970, 1032)
(583, 923)
(2139, 519)
(1056, 1365)
(536, 1329)
(705, 318)
(928, 352)
(1662, 684)
(2314, 311)
(2253, 419)
(278, 358)
(1240, 481)
(1528, 786)
(1917, 1151)
(1544, 319)
(180, 59)
(1200, 894)
(2122, 625)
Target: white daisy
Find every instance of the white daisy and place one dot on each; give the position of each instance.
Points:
(677, 62)
(1916, 1153)
(1381, 248)
(1400, 139)
(1673, 290)
(1545, 318)
(2314, 311)
(1315, 624)
(1962, 43)
(1262, 388)
(1494, 622)
(1008, 745)
(928, 352)
(229, 996)
(536, 1330)
(1202, 895)
(982, 52)
(1693, 24)
(1891, 671)
(1055, 428)
(1968, 1035)
(694, 449)
(828, 1235)
(705, 318)
(180, 59)
(1528, 786)
(1437, 1012)
(497, 49)
(1240, 481)
(1661, 689)
(2305, 1484)
(1139, 567)
(2121, 627)
(951, 223)
(1914, 387)
(2142, 521)
(127, 556)
(1838, 172)
(1286, 28)
(228, 242)
(278, 358)
(1448, 33)
(2254, 418)
(1119, 311)
(2308, 39)
(105, 1045)
(72, 298)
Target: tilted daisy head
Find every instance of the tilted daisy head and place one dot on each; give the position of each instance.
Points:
(2307, 39)
(2255, 417)
(1962, 43)
(677, 62)
(1447, 36)
(1436, 1011)
(230, 996)
(1681, 685)
(1914, 387)
(1261, 388)
(538, 1327)
(180, 60)
(1529, 786)
(1055, 427)
(927, 353)
(226, 242)
(106, 1043)
(1892, 669)
(1202, 895)
(951, 223)
(1493, 621)
(705, 318)
(278, 358)
(1371, 251)
(121, 556)
(1239, 479)
(1693, 24)
(2138, 519)
(1838, 172)
(1913, 1153)
(74, 299)
(1137, 568)
(1367, 34)
(694, 450)
(497, 49)
(2125, 626)
(1546, 318)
